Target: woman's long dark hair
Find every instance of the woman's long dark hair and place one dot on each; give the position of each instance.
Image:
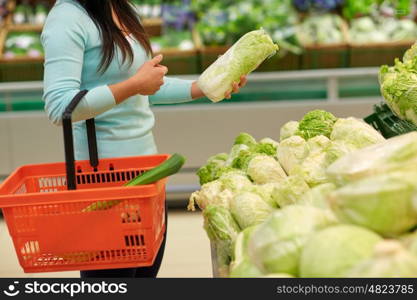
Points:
(100, 11)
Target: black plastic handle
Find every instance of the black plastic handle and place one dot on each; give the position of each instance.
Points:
(69, 140)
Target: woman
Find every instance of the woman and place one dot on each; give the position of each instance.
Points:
(101, 46)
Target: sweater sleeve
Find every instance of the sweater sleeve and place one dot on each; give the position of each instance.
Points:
(64, 40)
(173, 90)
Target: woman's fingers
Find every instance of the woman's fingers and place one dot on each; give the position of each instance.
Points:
(228, 95)
(243, 81)
(235, 87)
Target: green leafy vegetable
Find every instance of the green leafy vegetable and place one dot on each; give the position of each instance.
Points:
(390, 259)
(383, 203)
(316, 122)
(275, 246)
(333, 251)
(241, 59)
(249, 209)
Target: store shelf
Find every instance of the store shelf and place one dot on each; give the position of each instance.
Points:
(25, 27)
(152, 22)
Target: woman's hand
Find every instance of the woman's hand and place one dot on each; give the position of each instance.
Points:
(196, 92)
(147, 81)
(150, 76)
(236, 87)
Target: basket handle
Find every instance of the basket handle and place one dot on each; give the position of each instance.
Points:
(69, 140)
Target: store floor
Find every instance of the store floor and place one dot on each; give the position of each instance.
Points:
(187, 252)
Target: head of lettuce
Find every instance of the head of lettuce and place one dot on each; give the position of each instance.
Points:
(241, 59)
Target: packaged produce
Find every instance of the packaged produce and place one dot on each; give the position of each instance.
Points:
(275, 246)
(333, 251)
(383, 203)
(222, 231)
(318, 195)
(410, 241)
(241, 59)
(355, 132)
(241, 265)
(393, 154)
(390, 259)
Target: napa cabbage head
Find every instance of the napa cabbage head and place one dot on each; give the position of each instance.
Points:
(290, 190)
(291, 152)
(399, 88)
(318, 143)
(235, 152)
(222, 231)
(338, 149)
(265, 169)
(267, 146)
(212, 193)
(245, 139)
(241, 59)
(355, 132)
(214, 168)
(249, 209)
(241, 265)
(235, 180)
(410, 242)
(318, 195)
(385, 203)
(396, 153)
(333, 251)
(220, 191)
(289, 129)
(265, 191)
(313, 168)
(389, 260)
(275, 246)
(316, 122)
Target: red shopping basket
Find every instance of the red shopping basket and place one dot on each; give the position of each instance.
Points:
(43, 206)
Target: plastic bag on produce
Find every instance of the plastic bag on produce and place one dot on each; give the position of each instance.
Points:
(241, 59)
(384, 203)
(398, 153)
(390, 260)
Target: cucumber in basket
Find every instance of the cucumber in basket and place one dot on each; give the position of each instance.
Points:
(169, 167)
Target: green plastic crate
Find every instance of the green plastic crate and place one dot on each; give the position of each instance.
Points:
(384, 120)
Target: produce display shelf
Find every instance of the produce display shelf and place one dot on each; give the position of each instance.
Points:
(25, 27)
(181, 62)
(376, 54)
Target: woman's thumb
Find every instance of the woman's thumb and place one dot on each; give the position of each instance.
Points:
(157, 59)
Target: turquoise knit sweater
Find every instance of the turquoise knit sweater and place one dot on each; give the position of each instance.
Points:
(72, 46)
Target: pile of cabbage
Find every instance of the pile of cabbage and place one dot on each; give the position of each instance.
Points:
(321, 29)
(331, 198)
(399, 85)
(380, 29)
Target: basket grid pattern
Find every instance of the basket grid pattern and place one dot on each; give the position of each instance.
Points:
(59, 236)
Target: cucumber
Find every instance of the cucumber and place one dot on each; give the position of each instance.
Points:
(169, 167)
